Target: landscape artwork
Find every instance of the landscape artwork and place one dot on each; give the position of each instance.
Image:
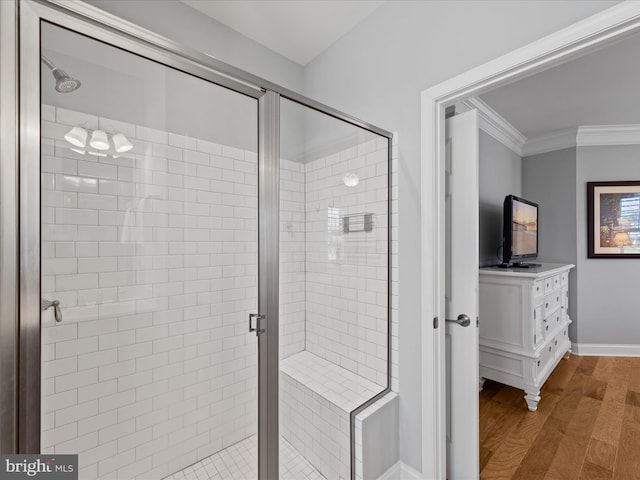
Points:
(614, 219)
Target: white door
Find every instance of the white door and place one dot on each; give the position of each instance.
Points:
(461, 289)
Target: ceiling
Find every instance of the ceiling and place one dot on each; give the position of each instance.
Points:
(297, 30)
(601, 88)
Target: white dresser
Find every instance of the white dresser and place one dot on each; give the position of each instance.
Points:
(524, 325)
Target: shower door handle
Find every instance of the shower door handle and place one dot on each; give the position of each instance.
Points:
(462, 320)
(47, 304)
(257, 328)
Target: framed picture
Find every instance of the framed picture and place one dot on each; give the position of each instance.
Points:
(613, 211)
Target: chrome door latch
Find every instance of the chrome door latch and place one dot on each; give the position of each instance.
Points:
(258, 329)
(47, 304)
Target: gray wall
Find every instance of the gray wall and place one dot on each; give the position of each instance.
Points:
(549, 179)
(607, 289)
(377, 71)
(603, 292)
(189, 27)
(500, 175)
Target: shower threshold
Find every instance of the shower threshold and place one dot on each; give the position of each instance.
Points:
(240, 461)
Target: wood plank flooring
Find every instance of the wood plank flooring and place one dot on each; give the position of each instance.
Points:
(587, 426)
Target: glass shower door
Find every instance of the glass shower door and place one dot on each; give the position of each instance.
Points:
(334, 289)
(149, 251)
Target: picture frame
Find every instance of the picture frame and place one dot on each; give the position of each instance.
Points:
(613, 218)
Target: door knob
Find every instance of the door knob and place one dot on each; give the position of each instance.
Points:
(47, 304)
(462, 320)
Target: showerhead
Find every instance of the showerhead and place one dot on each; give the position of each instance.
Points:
(64, 83)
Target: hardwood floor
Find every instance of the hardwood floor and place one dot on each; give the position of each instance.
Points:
(587, 426)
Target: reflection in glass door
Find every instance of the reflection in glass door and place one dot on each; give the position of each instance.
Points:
(148, 266)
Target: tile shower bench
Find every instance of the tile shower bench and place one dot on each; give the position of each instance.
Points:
(317, 397)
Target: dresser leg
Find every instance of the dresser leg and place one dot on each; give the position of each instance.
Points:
(532, 398)
(481, 384)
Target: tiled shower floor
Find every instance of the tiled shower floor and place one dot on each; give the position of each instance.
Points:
(239, 462)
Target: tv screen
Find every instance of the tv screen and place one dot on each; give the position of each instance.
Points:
(520, 230)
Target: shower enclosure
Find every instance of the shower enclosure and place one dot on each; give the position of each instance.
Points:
(205, 270)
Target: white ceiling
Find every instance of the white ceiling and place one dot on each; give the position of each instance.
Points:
(601, 88)
(298, 30)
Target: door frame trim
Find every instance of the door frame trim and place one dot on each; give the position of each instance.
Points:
(566, 44)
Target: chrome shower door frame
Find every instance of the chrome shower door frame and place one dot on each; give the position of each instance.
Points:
(20, 180)
(96, 24)
(9, 145)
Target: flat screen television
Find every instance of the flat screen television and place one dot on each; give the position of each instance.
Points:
(519, 232)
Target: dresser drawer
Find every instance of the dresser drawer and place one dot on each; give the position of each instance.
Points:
(552, 302)
(564, 279)
(561, 342)
(538, 288)
(551, 284)
(546, 357)
(555, 319)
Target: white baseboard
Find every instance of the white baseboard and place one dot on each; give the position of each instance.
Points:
(400, 471)
(605, 350)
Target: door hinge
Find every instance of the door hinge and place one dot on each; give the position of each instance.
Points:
(477, 322)
(450, 111)
(435, 322)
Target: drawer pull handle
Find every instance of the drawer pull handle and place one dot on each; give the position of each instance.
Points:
(556, 343)
(549, 348)
(538, 362)
(547, 328)
(546, 305)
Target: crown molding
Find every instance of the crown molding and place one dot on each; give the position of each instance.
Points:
(495, 125)
(492, 123)
(549, 142)
(592, 135)
(583, 136)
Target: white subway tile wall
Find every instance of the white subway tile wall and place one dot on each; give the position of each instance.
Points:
(292, 258)
(321, 385)
(347, 269)
(316, 399)
(315, 427)
(153, 256)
